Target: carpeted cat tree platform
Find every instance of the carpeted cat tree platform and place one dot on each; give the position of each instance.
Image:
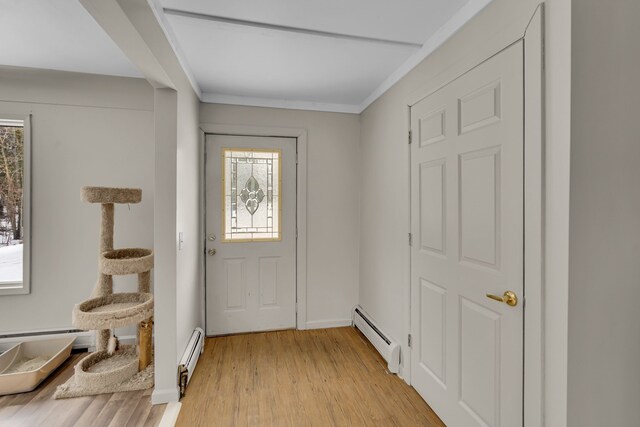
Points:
(114, 367)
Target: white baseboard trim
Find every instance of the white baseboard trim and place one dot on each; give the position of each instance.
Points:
(170, 415)
(84, 339)
(325, 324)
(167, 395)
(127, 339)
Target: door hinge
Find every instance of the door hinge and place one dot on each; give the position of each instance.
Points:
(409, 340)
(410, 240)
(409, 137)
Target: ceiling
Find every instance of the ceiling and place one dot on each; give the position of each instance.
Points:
(328, 55)
(335, 55)
(58, 35)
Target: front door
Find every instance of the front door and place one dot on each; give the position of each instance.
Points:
(251, 233)
(467, 251)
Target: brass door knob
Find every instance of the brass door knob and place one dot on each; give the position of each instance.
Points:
(211, 252)
(508, 298)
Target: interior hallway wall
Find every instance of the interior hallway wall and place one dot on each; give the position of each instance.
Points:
(604, 269)
(190, 264)
(83, 126)
(384, 179)
(333, 191)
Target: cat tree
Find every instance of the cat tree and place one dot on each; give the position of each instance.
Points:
(114, 367)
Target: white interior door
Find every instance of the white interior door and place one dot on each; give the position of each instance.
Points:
(251, 233)
(467, 223)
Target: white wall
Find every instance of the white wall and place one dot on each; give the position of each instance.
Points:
(604, 268)
(165, 273)
(384, 180)
(190, 264)
(332, 201)
(83, 126)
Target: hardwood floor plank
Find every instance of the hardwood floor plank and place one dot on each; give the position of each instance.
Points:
(74, 411)
(155, 415)
(96, 406)
(331, 377)
(140, 414)
(127, 406)
(38, 408)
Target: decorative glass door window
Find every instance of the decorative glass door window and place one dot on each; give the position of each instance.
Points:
(251, 189)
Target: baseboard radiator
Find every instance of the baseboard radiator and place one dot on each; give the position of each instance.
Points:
(388, 349)
(190, 359)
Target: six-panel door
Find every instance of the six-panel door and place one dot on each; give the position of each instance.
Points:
(467, 223)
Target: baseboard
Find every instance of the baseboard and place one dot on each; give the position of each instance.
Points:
(325, 324)
(170, 415)
(84, 339)
(127, 339)
(167, 395)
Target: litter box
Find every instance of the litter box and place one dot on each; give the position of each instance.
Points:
(27, 364)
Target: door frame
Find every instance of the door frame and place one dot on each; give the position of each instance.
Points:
(300, 136)
(534, 193)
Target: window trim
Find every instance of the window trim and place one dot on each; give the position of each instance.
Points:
(24, 287)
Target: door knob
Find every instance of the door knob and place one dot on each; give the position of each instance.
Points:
(211, 252)
(508, 298)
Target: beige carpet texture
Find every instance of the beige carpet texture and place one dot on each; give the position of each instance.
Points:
(140, 381)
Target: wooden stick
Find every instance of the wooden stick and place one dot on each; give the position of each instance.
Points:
(145, 338)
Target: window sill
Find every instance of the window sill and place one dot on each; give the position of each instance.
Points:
(17, 288)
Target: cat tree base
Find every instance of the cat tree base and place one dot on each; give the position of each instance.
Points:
(140, 381)
(100, 369)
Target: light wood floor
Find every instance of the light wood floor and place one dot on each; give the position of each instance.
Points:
(330, 377)
(38, 408)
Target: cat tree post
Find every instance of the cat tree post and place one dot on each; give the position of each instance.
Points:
(105, 282)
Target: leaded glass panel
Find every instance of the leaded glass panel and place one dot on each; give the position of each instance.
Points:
(251, 198)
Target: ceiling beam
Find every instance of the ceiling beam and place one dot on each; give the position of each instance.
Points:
(285, 28)
(214, 98)
(115, 22)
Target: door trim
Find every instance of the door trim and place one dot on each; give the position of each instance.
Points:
(301, 200)
(534, 193)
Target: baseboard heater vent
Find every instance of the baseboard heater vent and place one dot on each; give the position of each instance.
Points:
(388, 349)
(190, 359)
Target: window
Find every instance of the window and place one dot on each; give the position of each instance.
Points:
(14, 206)
(251, 189)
